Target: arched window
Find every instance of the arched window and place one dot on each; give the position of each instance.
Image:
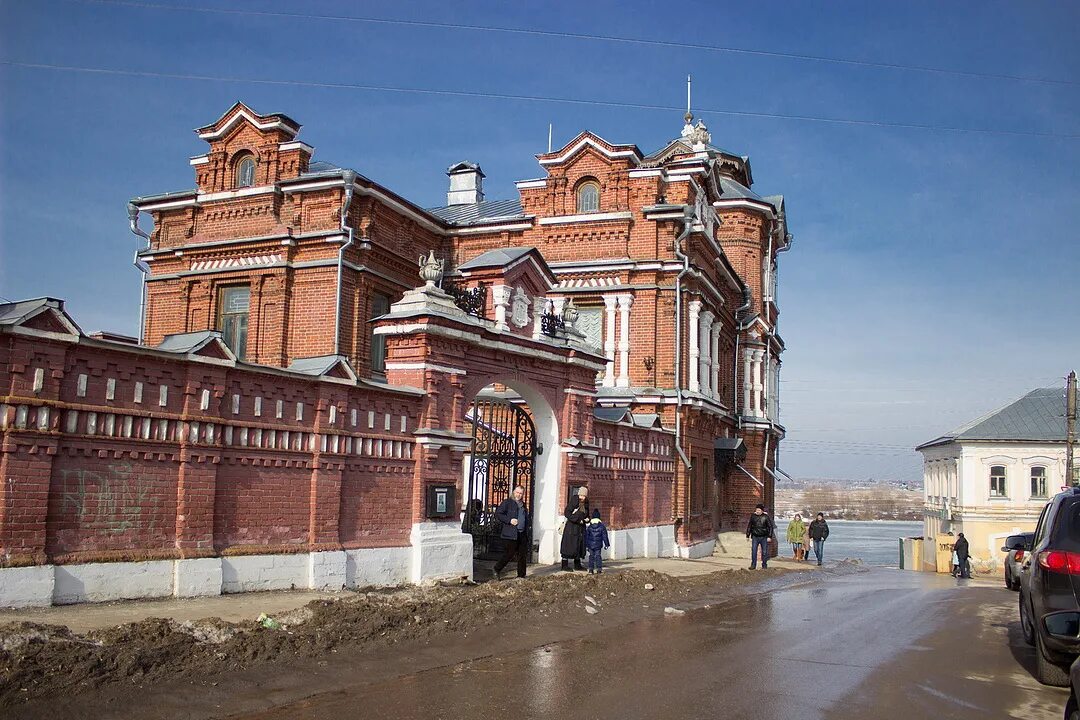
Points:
(588, 197)
(1038, 482)
(245, 172)
(997, 481)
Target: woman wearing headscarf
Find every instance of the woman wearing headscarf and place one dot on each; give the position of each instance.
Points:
(573, 539)
(795, 530)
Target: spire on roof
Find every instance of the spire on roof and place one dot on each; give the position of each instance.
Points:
(698, 135)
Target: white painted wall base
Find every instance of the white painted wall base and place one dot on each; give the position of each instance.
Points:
(440, 550)
(377, 567)
(649, 541)
(327, 570)
(198, 577)
(97, 582)
(45, 585)
(27, 586)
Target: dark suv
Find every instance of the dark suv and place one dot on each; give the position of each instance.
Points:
(1050, 589)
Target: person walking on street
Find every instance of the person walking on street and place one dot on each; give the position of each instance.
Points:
(758, 531)
(573, 539)
(806, 542)
(819, 533)
(596, 539)
(962, 555)
(514, 518)
(795, 530)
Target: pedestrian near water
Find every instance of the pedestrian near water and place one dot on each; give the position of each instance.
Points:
(962, 555)
(596, 539)
(795, 530)
(758, 531)
(806, 542)
(514, 518)
(573, 538)
(819, 533)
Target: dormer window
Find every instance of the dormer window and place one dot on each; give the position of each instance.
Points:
(245, 172)
(588, 197)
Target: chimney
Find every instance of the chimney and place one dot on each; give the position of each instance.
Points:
(466, 184)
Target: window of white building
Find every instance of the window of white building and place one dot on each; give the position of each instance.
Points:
(1038, 482)
(997, 481)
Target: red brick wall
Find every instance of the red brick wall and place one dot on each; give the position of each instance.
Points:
(90, 478)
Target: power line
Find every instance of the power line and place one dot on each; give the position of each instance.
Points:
(527, 98)
(802, 57)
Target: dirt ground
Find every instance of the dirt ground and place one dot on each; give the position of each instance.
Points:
(39, 661)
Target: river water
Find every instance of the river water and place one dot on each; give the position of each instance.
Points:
(874, 541)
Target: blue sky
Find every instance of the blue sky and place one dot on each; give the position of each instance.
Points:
(933, 273)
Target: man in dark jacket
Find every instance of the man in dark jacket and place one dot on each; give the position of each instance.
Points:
(514, 518)
(962, 555)
(819, 533)
(758, 531)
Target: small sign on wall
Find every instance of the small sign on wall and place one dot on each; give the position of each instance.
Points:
(441, 501)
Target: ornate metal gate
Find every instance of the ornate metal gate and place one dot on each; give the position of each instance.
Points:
(503, 457)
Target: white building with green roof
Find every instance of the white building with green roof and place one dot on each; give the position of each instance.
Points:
(991, 477)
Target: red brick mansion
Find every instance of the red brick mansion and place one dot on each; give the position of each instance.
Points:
(334, 386)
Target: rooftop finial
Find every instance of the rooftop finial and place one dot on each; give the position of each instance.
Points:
(689, 117)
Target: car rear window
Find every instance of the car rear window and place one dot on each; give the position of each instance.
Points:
(1067, 536)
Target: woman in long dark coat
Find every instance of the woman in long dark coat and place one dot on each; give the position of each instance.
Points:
(573, 539)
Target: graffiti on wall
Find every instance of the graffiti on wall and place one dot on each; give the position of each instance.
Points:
(110, 498)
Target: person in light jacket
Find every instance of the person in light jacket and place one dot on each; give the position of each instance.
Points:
(795, 530)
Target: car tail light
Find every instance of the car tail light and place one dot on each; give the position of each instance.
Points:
(1018, 556)
(1060, 561)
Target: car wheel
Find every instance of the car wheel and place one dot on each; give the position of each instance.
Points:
(1025, 623)
(1008, 580)
(1047, 672)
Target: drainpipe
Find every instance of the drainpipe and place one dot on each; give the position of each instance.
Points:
(688, 225)
(349, 178)
(133, 224)
(748, 297)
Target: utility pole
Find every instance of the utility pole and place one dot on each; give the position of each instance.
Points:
(1070, 430)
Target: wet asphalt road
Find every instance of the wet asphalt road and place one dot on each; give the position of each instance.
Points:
(879, 644)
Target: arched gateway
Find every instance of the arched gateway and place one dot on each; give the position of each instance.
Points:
(482, 443)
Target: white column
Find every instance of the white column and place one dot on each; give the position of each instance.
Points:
(500, 299)
(705, 360)
(747, 383)
(609, 339)
(625, 301)
(539, 308)
(694, 370)
(758, 384)
(714, 337)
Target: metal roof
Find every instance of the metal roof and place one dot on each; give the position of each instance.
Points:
(318, 365)
(13, 312)
(495, 258)
(733, 189)
(474, 213)
(187, 342)
(1038, 416)
(611, 414)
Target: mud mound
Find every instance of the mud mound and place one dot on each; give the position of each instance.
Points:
(40, 660)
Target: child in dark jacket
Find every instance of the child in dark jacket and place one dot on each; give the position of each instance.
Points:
(596, 540)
